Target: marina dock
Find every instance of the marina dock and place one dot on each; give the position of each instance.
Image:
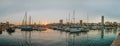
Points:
(116, 42)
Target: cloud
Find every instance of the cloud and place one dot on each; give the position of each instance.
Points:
(60, 9)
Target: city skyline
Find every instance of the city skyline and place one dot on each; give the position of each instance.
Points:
(50, 11)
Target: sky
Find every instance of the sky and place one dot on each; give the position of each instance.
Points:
(51, 11)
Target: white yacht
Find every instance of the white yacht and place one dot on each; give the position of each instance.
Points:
(75, 29)
(41, 29)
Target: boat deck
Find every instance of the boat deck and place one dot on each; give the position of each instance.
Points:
(116, 42)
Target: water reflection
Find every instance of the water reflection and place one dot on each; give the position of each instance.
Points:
(102, 33)
(115, 30)
(103, 37)
(72, 37)
(0, 32)
(27, 37)
(10, 31)
(86, 39)
(112, 30)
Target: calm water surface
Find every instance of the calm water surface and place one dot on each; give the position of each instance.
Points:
(58, 38)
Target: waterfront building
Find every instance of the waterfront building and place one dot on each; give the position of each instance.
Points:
(81, 22)
(61, 21)
(102, 20)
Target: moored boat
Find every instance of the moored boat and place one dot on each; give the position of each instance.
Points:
(11, 29)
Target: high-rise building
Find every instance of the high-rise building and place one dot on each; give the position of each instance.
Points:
(102, 20)
(81, 22)
(61, 21)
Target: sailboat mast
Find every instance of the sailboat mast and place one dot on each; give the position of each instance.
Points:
(69, 18)
(29, 20)
(39, 22)
(66, 20)
(23, 22)
(87, 18)
(25, 18)
(73, 16)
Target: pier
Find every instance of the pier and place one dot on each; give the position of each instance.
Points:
(116, 42)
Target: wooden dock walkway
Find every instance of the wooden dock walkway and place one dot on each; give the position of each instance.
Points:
(116, 42)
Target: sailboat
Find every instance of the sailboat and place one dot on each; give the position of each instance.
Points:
(77, 28)
(73, 26)
(26, 27)
(86, 28)
(10, 29)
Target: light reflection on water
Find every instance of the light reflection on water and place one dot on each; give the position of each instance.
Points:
(58, 38)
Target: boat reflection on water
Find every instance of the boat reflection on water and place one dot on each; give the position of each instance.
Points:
(10, 30)
(51, 37)
(27, 37)
(0, 32)
(86, 39)
(72, 37)
(114, 30)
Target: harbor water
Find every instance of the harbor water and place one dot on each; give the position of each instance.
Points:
(58, 38)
